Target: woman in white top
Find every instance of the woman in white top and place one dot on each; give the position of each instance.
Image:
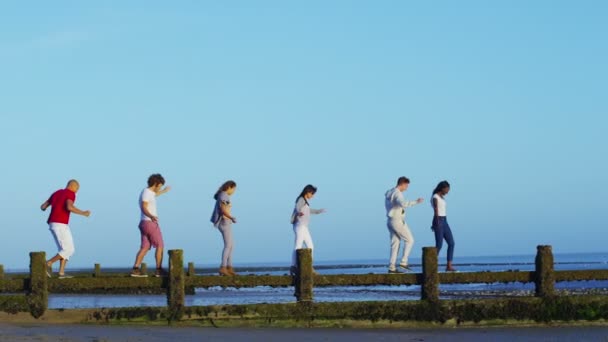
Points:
(300, 220)
(440, 222)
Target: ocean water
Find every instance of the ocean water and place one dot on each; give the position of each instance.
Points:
(265, 294)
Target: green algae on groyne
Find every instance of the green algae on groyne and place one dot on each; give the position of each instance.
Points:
(545, 306)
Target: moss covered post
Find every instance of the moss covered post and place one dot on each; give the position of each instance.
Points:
(191, 269)
(304, 276)
(143, 268)
(1, 271)
(430, 277)
(176, 292)
(97, 272)
(544, 277)
(38, 295)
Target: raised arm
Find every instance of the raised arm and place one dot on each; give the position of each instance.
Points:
(163, 191)
(73, 209)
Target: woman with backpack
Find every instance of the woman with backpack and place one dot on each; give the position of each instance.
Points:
(440, 222)
(223, 219)
(300, 220)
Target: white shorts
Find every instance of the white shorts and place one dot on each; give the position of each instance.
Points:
(63, 238)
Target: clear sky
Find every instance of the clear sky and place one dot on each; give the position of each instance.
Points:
(504, 99)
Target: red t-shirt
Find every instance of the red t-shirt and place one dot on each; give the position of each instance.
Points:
(59, 206)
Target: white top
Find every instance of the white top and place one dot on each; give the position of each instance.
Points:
(441, 210)
(305, 209)
(395, 204)
(148, 196)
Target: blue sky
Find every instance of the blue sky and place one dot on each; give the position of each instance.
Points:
(506, 100)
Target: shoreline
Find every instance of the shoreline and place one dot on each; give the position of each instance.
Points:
(71, 332)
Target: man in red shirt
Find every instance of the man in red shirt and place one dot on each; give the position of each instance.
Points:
(62, 204)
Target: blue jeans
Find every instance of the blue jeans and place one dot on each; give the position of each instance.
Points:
(442, 231)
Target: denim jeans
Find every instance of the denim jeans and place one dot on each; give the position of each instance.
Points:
(443, 231)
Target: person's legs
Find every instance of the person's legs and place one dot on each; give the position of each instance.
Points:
(145, 244)
(226, 230)
(156, 239)
(53, 260)
(65, 245)
(159, 257)
(394, 243)
(298, 243)
(406, 235)
(307, 238)
(308, 242)
(449, 238)
(62, 264)
(438, 230)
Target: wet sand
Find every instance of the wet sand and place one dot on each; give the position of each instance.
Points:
(54, 332)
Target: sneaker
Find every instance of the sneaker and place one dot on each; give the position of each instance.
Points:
(394, 271)
(65, 276)
(49, 271)
(406, 267)
(160, 273)
(136, 273)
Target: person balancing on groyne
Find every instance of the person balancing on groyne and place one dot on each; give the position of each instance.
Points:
(398, 229)
(62, 204)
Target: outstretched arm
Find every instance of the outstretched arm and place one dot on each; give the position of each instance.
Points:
(163, 191)
(405, 204)
(45, 205)
(317, 211)
(71, 208)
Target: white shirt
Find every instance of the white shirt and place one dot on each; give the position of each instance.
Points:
(441, 205)
(148, 196)
(395, 204)
(303, 208)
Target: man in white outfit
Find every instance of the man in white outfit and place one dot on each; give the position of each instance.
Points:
(395, 211)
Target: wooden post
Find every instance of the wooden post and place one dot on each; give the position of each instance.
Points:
(191, 269)
(97, 272)
(430, 277)
(1, 271)
(304, 277)
(38, 295)
(176, 292)
(544, 277)
(143, 268)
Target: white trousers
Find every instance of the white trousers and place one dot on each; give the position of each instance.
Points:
(399, 230)
(63, 238)
(302, 237)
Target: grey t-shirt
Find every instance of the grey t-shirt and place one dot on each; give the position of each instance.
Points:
(216, 216)
(303, 208)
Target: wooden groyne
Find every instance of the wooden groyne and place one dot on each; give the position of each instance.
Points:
(30, 293)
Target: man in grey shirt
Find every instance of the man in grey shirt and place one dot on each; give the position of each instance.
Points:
(395, 206)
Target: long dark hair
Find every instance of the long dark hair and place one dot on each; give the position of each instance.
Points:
(227, 185)
(307, 189)
(442, 185)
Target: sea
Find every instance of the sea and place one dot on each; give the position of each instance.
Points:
(266, 294)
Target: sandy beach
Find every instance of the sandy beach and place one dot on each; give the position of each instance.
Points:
(43, 332)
